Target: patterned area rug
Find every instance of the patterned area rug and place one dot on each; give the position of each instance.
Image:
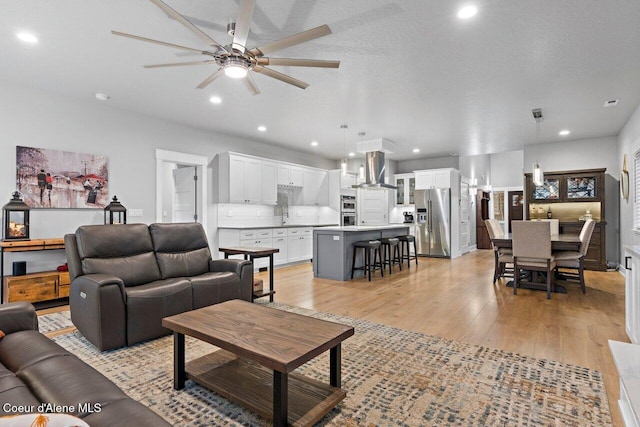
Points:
(392, 377)
(54, 322)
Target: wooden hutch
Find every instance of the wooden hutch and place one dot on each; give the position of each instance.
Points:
(571, 196)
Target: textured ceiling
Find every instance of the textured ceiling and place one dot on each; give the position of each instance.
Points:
(411, 71)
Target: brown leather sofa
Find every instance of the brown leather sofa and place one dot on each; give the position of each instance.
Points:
(126, 277)
(35, 370)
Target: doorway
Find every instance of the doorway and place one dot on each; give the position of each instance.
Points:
(181, 187)
(516, 207)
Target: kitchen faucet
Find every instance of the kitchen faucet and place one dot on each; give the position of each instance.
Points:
(285, 212)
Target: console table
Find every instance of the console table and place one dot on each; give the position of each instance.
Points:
(51, 282)
(250, 253)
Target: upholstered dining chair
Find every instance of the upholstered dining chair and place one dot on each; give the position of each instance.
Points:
(532, 252)
(502, 257)
(575, 260)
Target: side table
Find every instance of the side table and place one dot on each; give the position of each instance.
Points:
(250, 253)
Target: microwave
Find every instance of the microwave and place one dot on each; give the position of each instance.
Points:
(347, 203)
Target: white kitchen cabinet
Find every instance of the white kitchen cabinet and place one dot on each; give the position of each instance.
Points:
(406, 184)
(299, 244)
(632, 292)
(434, 178)
(347, 182)
(373, 207)
(315, 188)
(269, 183)
(281, 243)
(241, 179)
(289, 175)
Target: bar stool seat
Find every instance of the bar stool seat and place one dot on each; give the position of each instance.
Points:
(405, 240)
(368, 267)
(391, 252)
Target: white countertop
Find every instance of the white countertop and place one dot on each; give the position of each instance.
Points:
(255, 227)
(366, 228)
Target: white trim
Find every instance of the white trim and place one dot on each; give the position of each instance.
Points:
(201, 162)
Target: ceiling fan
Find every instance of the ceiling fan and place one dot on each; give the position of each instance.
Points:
(234, 59)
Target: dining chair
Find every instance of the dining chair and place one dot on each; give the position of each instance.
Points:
(574, 260)
(503, 256)
(532, 252)
(555, 225)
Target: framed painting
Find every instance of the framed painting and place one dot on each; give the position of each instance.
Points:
(62, 179)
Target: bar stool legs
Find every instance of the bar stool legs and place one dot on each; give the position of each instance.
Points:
(367, 266)
(391, 253)
(404, 244)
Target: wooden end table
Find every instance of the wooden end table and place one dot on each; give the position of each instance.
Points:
(261, 346)
(251, 253)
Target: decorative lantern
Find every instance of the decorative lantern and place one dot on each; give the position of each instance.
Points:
(16, 219)
(115, 213)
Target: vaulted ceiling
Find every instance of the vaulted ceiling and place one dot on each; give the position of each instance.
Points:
(411, 72)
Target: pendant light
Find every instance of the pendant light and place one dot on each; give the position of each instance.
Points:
(343, 162)
(361, 168)
(538, 176)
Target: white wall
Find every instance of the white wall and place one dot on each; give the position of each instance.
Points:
(591, 153)
(507, 169)
(628, 143)
(407, 166)
(38, 119)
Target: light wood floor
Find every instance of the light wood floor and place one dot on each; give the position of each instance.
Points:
(455, 299)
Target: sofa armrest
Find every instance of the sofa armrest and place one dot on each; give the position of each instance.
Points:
(18, 316)
(98, 309)
(244, 269)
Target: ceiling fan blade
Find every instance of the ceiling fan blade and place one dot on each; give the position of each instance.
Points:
(211, 78)
(243, 22)
(144, 39)
(298, 62)
(177, 64)
(184, 21)
(293, 40)
(251, 85)
(279, 76)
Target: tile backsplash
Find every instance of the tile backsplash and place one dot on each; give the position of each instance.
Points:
(239, 215)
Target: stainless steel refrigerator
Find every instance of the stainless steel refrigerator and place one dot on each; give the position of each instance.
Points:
(433, 222)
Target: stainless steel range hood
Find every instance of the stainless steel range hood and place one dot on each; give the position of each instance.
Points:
(374, 172)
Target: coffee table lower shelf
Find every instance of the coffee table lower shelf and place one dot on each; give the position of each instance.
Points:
(251, 385)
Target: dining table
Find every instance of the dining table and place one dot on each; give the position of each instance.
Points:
(559, 242)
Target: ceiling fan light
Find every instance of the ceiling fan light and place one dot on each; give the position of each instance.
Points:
(235, 71)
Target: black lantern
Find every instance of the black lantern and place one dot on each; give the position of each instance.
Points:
(16, 219)
(115, 213)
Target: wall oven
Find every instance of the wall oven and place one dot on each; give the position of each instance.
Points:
(348, 219)
(348, 210)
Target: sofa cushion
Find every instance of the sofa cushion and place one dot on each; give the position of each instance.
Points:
(24, 348)
(123, 250)
(213, 288)
(181, 249)
(148, 304)
(14, 392)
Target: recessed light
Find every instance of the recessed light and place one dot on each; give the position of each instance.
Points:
(467, 12)
(564, 132)
(262, 128)
(611, 102)
(314, 143)
(27, 38)
(215, 100)
(416, 150)
(351, 154)
(101, 96)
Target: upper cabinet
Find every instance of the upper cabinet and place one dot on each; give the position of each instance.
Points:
(289, 175)
(569, 186)
(269, 183)
(434, 178)
(244, 175)
(406, 184)
(315, 188)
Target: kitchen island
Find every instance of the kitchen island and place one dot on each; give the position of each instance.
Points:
(333, 247)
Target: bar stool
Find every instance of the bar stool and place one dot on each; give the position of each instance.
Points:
(367, 267)
(404, 243)
(391, 252)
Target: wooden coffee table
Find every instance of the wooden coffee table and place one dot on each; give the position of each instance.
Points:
(260, 347)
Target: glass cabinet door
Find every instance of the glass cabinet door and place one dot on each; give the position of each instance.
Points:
(400, 191)
(412, 188)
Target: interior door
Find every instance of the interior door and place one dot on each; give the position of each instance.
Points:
(185, 205)
(516, 207)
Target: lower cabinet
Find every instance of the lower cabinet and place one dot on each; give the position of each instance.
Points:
(632, 292)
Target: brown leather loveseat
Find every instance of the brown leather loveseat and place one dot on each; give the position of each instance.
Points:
(126, 277)
(35, 370)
